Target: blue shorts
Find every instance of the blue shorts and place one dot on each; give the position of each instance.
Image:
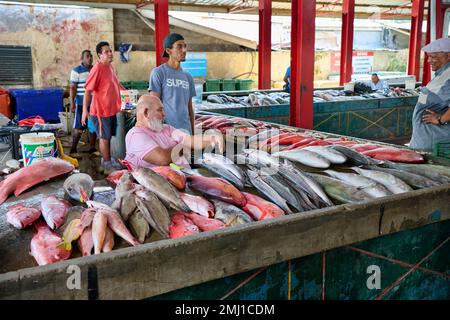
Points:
(108, 126)
(77, 121)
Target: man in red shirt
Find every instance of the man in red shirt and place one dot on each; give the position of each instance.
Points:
(105, 86)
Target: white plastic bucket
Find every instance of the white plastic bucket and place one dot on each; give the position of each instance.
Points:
(67, 121)
(410, 84)
(349, 86)
(37, 145)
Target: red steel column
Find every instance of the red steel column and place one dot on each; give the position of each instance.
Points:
(415, 38)
(348, 17)
(302, 63)
(426, 72)
(265, 44)
(161, 27)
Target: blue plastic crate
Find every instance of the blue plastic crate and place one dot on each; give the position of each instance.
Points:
(32, 102)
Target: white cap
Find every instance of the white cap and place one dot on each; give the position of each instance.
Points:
(438, 45)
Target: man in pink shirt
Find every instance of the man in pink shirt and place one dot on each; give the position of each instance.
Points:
(105, 86)
(152, 143)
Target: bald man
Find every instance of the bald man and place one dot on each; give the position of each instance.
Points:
(152, 143)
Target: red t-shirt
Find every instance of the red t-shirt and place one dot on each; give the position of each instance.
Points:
(105, 86)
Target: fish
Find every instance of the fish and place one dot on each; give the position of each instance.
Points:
(85, 242)
(266, 190)
(420, 169)
(414, 180)
(217, 188)
(370, 186)
(125, 201)
(282, 187)
(153, 211)
(261, 209)
(361, 147)
(99, 230)
(204, 223)
(331, 155)
(443, 170)
(29, 176)
(139, 225)
(175, 177)
(79, 187)
(20, 216)
(305, 157)
(259, 157)
(302, 181)
(395, 154)
(198, 204)
(391, 182)
(225, 168)
(73, 213)
(54, 211)
(163, 189)
(181, 226)
(71, 233)
(114, 176)
(261, 136)
(87, 216)
(44, 246)
(355, 157)
(339, 190)
(99, 205)
(108, 243)
(229, 214)
(116, 224)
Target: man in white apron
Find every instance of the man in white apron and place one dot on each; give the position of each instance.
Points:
(431, 113)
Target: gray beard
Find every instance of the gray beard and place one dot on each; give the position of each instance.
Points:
(155, 125)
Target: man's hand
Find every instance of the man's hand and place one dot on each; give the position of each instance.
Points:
(432, 117)
(72, 107)
(84, 117)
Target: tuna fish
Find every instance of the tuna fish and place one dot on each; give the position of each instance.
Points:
(229, 214)
(198, 204)
(79, 187)
(414, 180)
(370, 186)
(339, 190)
(54, 211)
(181, 226)
(45, 246)
(267, 191)
(331, 155)
(20, 216)
(175, 177)
(355, 157)
(305, 157)
(217, 188)
(261, 209)
(163, 189)
(153, 211)
(27, 177)
(392, 183)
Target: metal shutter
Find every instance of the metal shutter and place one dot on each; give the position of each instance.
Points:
(16, 67)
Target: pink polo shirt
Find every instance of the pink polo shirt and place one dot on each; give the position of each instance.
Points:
(140, 141)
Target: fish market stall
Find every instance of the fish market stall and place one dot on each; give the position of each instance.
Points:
(295, 219)
(383, 117)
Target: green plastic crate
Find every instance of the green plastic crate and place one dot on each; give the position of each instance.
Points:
(442, 149)
(244, 84)
(228, 85)
(139, 85)
(212, 85)
(126, 84)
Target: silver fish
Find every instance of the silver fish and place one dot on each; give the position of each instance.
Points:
(229, 214)
(355, 157)
(161, 187)
(414, 180)
(139, 225)
(392, 183)
(305, 157)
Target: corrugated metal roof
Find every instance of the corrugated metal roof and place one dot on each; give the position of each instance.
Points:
(377, 9)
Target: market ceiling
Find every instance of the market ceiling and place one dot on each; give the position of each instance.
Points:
(376, 9)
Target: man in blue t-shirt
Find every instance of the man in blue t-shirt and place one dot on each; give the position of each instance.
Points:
(287, 80)
(173, 86)
(78, 78)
